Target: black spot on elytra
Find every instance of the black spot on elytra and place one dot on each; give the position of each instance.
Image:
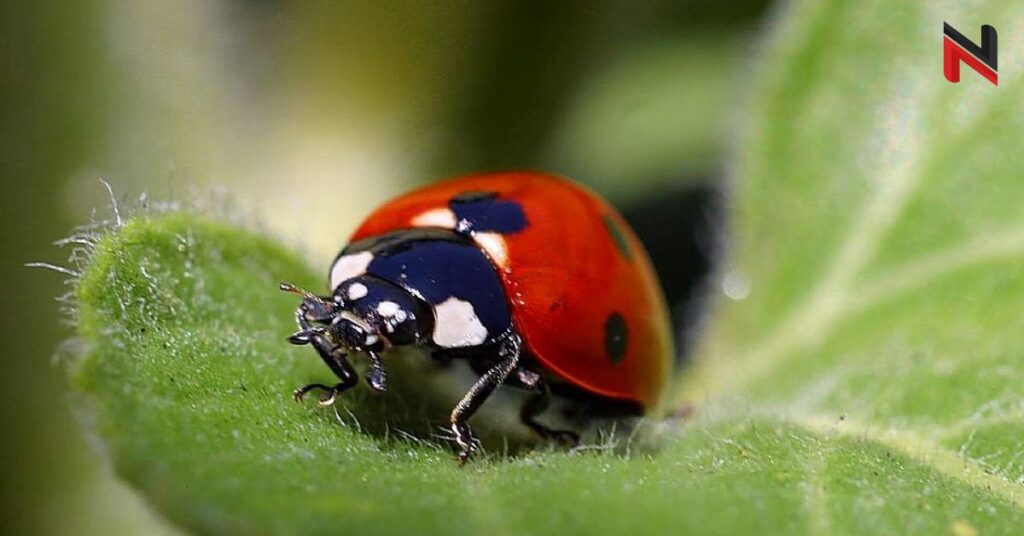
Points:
(616, 337)
(618, 237)
(485, 212)
(474, 196)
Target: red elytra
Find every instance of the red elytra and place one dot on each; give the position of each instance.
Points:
(575, 266)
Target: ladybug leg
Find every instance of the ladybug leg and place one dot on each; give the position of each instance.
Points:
(338, 364)
(377, 378)
(537, 404)
(306, 331)
(508, 359)
(330, 354)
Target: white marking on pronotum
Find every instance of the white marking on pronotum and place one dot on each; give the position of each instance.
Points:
(456, 324)
(349, 266)
(494, 245)
(387, 308)
(391, 309)
(437, 217)
(357, 290)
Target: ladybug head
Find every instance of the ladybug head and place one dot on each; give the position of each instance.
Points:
(365, 313)
(384, 310)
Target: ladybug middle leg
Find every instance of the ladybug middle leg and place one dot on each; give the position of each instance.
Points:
(508, 360)
(338, 364)
(377, 378)
(536, 404)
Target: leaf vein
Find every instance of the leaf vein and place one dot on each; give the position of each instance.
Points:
(921, 450)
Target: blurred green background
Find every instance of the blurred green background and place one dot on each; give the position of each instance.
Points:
(302, 116)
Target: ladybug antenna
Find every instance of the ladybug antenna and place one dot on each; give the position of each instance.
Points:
(288, 287)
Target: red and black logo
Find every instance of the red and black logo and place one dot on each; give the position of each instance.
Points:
(984, 59)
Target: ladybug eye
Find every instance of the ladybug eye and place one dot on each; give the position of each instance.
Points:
(355, 331)
(317, 310)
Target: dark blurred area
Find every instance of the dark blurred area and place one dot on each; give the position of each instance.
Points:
(682, 229)
(329, 108)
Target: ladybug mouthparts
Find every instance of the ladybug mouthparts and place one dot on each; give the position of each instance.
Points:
(338, 326)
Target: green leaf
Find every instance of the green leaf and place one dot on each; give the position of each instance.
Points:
(876, 275)
(864, 377)
(188, 379)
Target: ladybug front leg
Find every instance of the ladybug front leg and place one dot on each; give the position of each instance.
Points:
(338, 364)
(508, 359)
(331, 355)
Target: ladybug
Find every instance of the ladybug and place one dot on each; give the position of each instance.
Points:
(534, 280)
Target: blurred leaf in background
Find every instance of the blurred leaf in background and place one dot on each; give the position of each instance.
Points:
(329, 107)
(53, 97)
